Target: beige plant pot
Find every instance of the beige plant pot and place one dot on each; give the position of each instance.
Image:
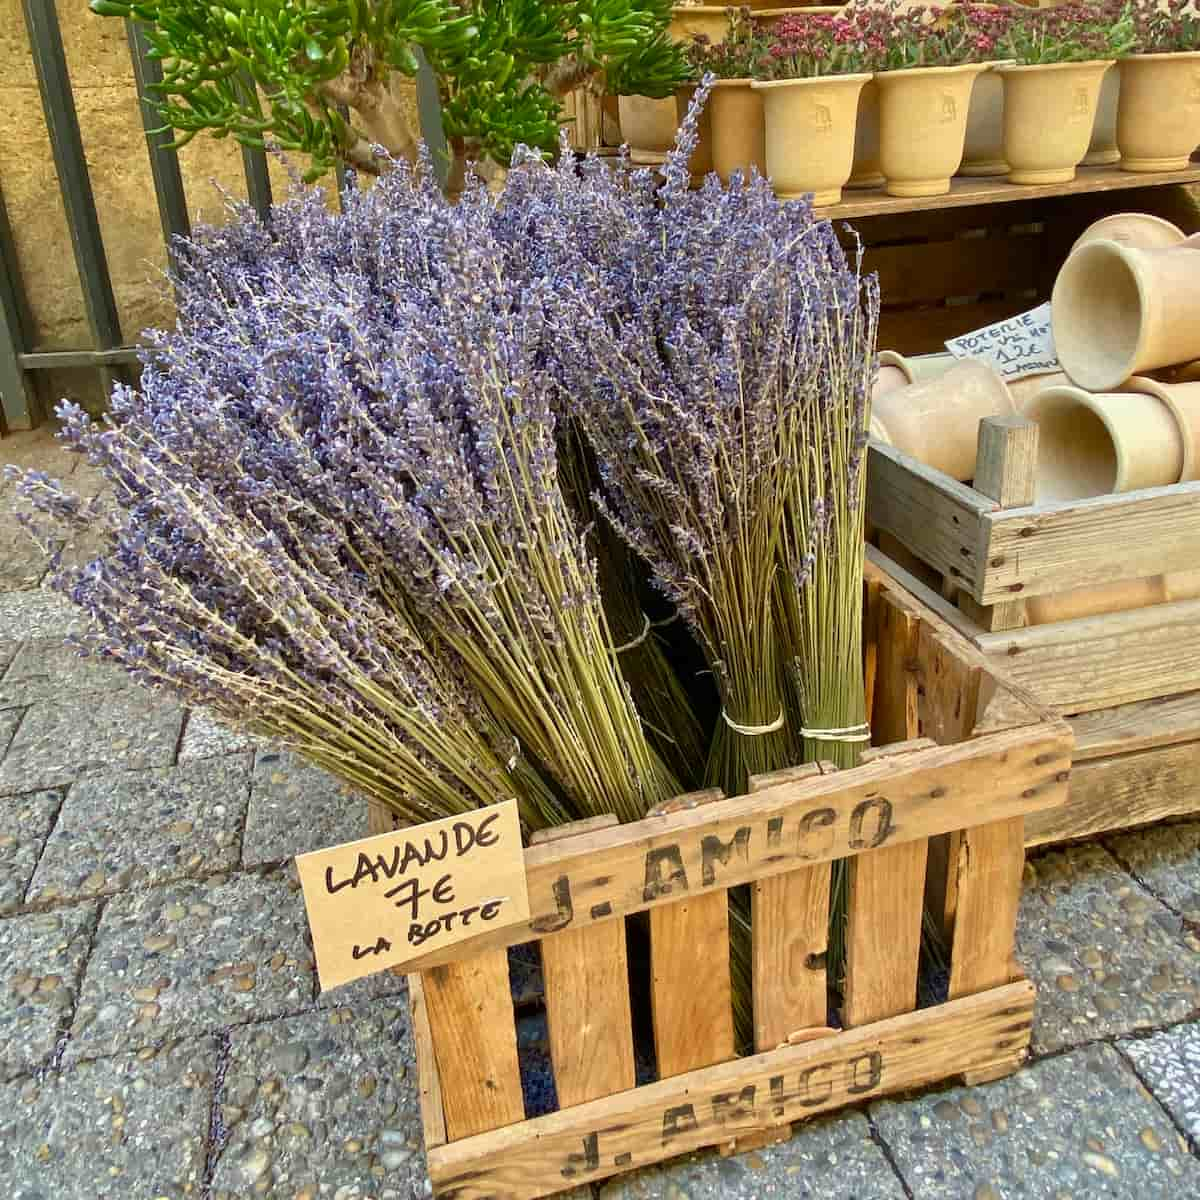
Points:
(1095, 444)
(738, 128)
(937, 419)
(866, 172)
(983, 148)
(1183, 402)
(1158, 123)
(1118, 311)
(1132, 229)
(922, 126)
(809, 126)
(648, 127)
(710, 21)
(1049, 114)
(1102, 149)
(701, 162)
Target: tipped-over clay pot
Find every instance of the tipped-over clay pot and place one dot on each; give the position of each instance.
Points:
(937, 419)
(1091, 445)
(648, 127)
(1183, 401)
(1118, 311)
(1024, 390)
(1143, 230)
(738, 128)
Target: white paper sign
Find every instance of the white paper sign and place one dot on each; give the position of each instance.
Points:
(1017, 348)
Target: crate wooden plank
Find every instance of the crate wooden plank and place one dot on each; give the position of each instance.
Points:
(887, 885)
(1097, 662)
(990, 859)
(938, 519)
(713, 1105)
(380, 818)
(475, 1043)
(789, 917)
(906, 797)
(997, 191)
(1121, 792)
(1161, 721)
(924, 329)
(429, 1084)
(586, 974)
(689, 940)
(1056, 547)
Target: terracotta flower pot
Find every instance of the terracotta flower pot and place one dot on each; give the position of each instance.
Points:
(1102, 149)
(701, 163)
(810, 134)
(1118, 311)
(1158, 122)
(937, 419)
(866, 173)
(983, 149)
(1132, 229)
(1183, 402)
(1049, 113)
(738, 128)
(922, 126)
(1093, 444)
(648, 127)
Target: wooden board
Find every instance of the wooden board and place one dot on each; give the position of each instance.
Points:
(1122, 792)
(586, 975)
(474, 1037)
(906, 797)
(711, 1106)
(996, 191)
(429, 1083)
(1162, 721)
(924, 329)
(1097, 662)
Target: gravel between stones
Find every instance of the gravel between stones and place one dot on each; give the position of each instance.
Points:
(1069, 1127)
(126, 1128)
(1106, 956)
(1170, 1064)
(1167, 860)
(41, 956)
(125, 828)
(25, 823)
(190, 958)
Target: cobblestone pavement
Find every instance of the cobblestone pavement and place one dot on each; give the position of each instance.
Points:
(161, 1034)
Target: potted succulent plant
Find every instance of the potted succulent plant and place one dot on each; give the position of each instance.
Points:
(810, 80)
(1158, 121)
(1052, 87)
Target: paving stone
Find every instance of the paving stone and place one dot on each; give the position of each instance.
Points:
(10, 719)
(190, 958)
(1073, 1126)
(25, 823)
(40, 613)
(833, 1159)
(1170, 1063)
(39, 450)
(126, 1128)
(57, 742)
(41, 956)
(23, 562)
(295, 808)
(324, 1101)
(48, 669)
(1106, 956)
(1167, 860)
(125, 828)
(205, 737)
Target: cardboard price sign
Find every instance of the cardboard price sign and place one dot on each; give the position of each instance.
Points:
(1017, 348)
(376, 903)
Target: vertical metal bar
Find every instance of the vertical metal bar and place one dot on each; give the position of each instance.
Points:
(41, 19)
(341, 173)
(429, 111)
(22, 408)
(164, 163)
(254, 163)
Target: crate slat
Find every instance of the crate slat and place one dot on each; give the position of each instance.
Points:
(429, 1083)
(586, 973)
(713, 1105)
(474, 1038)
(1163, 721)
(924, 330)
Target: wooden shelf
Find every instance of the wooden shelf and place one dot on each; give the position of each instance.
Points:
(965, 192)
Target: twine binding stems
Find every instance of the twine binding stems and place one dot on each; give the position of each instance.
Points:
(637, 641)
(753, 730)
(851, 733)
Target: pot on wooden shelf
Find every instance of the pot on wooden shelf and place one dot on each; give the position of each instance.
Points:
(1094, 444)
(738, 128)
(936, 420)
(866, 172)
(1049, 114)
(1102, 149)
(1132, 229)
(1118, 311)
(983, 148)
(809, 134)
(1158, 121)
(701, 162)
(648, 127)
(922, 126)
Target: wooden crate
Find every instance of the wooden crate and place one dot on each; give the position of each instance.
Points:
(942, 814)
(1125, 680)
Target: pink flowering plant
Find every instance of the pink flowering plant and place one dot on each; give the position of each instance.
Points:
(895, 39)
(1165, 26)
(739, 56)
(805, 47)
(1036, 36)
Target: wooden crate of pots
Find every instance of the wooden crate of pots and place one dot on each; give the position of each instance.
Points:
(651, 1073)
(823, 99)
(1074, 558)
